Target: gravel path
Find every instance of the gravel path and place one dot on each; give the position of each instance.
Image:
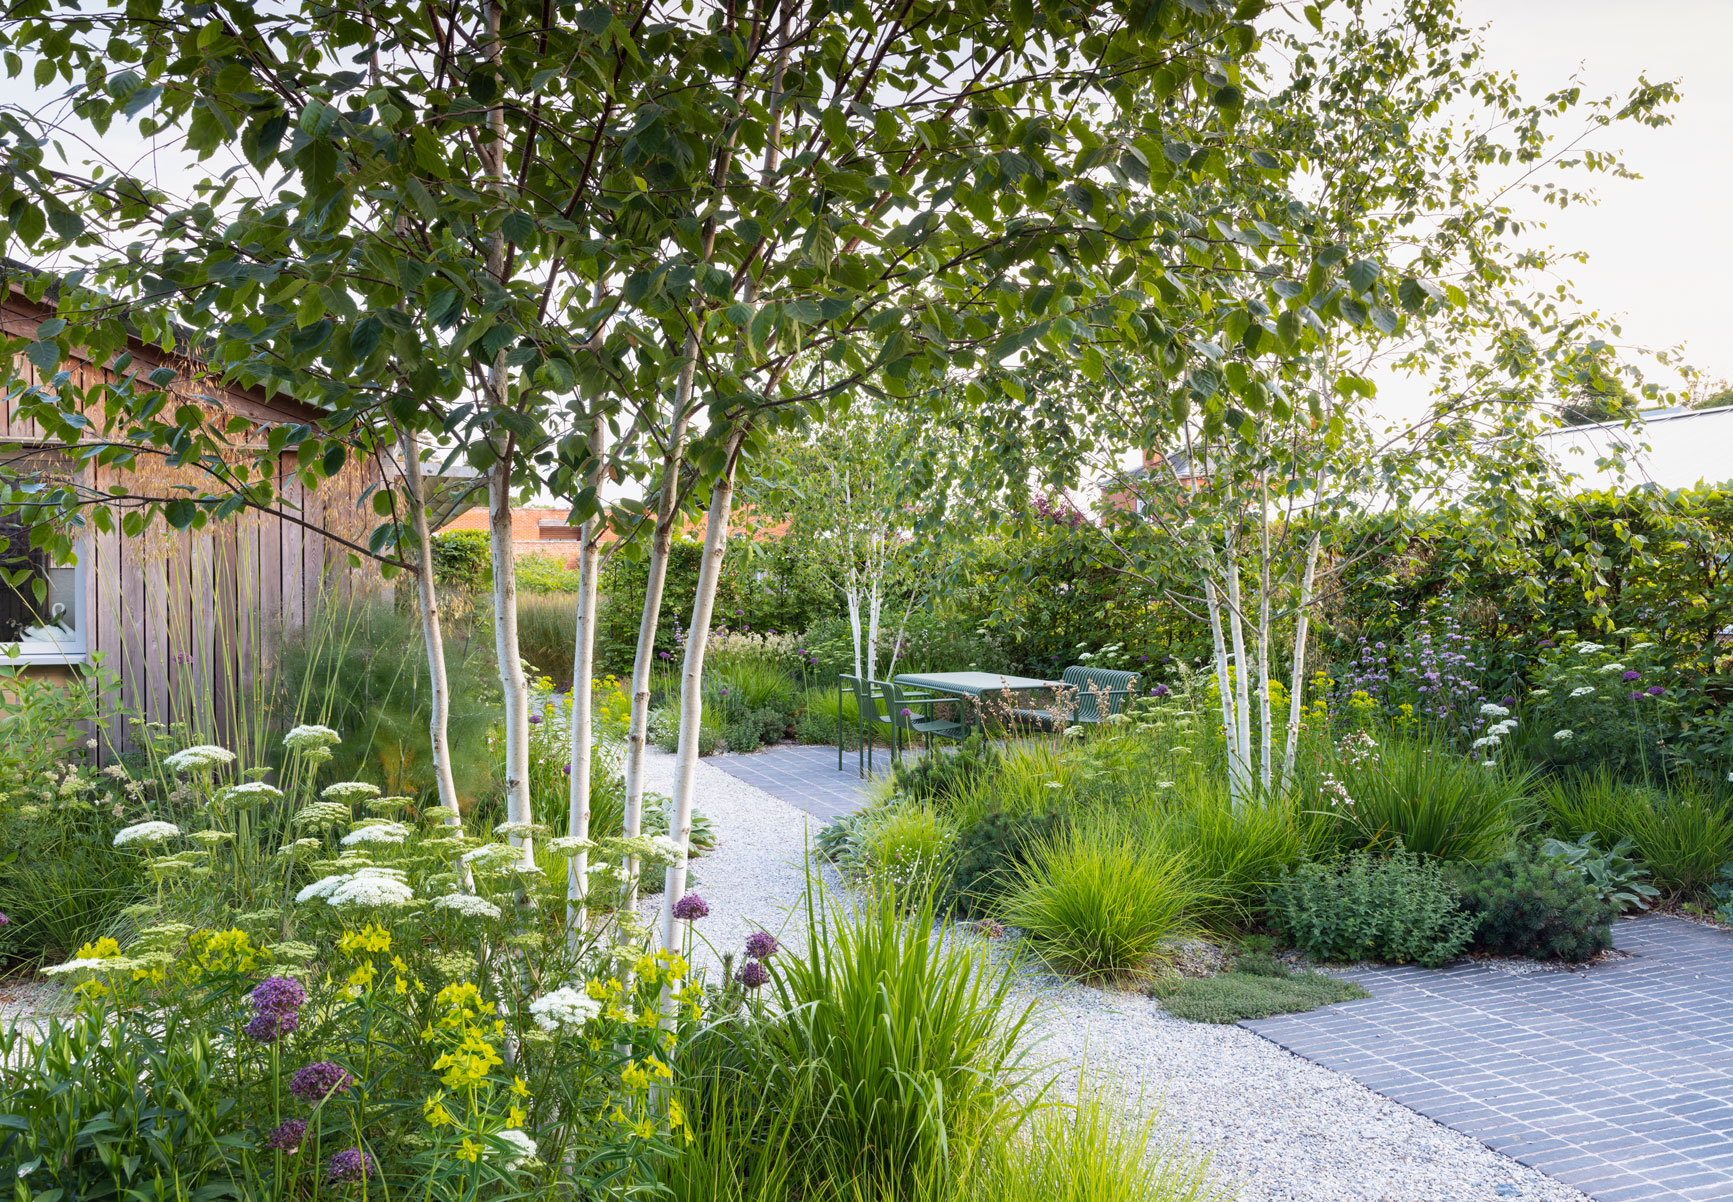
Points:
(1277, 1128)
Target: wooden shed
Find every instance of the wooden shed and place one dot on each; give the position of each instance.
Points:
(187, 621)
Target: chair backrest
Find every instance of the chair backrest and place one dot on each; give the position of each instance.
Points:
(893, 703)
(866, 700)
(1096, 686)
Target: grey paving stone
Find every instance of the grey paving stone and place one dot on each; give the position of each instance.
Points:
(1617, 1079)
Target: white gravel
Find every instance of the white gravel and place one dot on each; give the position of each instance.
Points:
(1277, 1128)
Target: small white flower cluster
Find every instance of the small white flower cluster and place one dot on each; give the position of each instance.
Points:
(518, 830)
(1494, 735)
(1586, 690)
(1589, 648)
(467, 904)
(364, 886)
(96, 964)
(320, 814)
(253, 791)
(1502, 728)
(1335, 790)
(349, 791)
(311, 738)
(205, 755)
(1492, 709)
(1564, 736)
(492, 855)
(376, 832)
(1613, 667)
(567, 1008)
(570, 845)
(145, 832)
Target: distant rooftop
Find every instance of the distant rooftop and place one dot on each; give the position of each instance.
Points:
(1686, 447)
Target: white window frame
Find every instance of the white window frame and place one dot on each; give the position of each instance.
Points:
(72, 649)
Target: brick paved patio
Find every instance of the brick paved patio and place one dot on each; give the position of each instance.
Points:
(1616, 1079)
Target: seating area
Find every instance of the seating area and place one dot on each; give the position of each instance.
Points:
(923, 708)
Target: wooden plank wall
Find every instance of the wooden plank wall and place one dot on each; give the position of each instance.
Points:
(190, 622)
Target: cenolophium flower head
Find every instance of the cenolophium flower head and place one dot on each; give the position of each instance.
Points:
(205, 755)
(146, 832)
(349, 791)
(567, 1009)
(311, 738)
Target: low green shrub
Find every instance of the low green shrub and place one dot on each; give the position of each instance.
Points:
(943, 776)
(905, 847)
(1683, 836)
(1092, 1150)
(1529, 905)
(1721, 893)
(1614, 874)
(989, 855)
(462, 559)
(821, 712)
(664, 729)
(1397, 908)
(1256, 987)
(538, 573)
(1096, 901)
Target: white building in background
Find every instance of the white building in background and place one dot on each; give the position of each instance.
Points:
(1666, 448)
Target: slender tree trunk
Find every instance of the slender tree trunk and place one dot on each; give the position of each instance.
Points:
(1224, 684)
(1264, 716)
(1302, 623)
(655, 583)
(1242, 673)
(582, 716)
(691, 691)
(851, 597)
(511, 668)
(438, 726)
(874, 599)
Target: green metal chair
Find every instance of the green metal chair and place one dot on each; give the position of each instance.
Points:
(1090, 690)
(872, 711)
(1099, 688)
(906, 706)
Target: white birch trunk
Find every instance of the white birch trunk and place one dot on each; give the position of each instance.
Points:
(505, 643)
(644, 658)
(439, 723)
(872, 639)
(851, 598)
(1302, 624)
(582, 716)
(1224, 686)
(692, 696)
(1242, 674)
(1264, 717)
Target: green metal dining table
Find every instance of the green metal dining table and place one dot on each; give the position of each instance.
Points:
(970, 686)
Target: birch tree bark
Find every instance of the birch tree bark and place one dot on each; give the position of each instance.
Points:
(583, 701)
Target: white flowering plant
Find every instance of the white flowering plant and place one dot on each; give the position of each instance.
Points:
(1616, 704)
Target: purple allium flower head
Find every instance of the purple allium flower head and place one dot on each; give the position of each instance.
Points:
(907, 712)
(664, 655)
(268, 1026)
(1633, 674)
(1143, 659)
(753, 975)
(287, 1136)
(1635, 694)
(535, 719)
(278, 994)
(567, 769)
(1508, 702)
(1655, 690)
(316, 1082)
(1160, 690)
(725, 690)
(351, 1164)
(691, 908)
(5, 921)
(760, 945)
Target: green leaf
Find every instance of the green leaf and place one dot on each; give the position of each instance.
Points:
(45, 356)
(1362, 274)
(519, 229)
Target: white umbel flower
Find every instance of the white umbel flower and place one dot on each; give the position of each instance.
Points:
(570, 845)
(368, 890)
(467, 904)
(518, 830)
(491, 855)
(1564, 736)
(311, 738)
(1613, 667)
(567, 1009)
(1587, 690)
(1492, 709)
(145, 832)
(249, 792)
(349, 791)
(205, 755)
(378, 832)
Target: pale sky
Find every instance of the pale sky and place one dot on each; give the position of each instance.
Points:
(1659, 248)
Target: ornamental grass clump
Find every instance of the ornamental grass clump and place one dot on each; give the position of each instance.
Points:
(1098, 901)
(1682, 835)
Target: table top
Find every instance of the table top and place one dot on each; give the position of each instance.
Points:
(972, 684)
